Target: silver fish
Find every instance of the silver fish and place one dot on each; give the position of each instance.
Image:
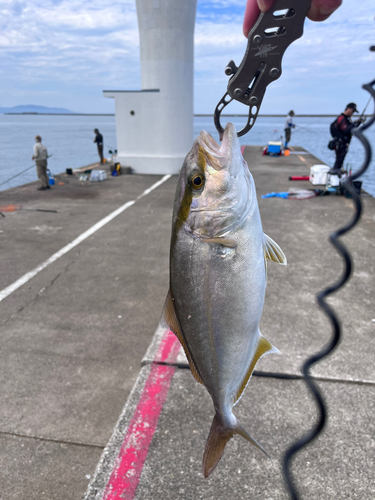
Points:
(218, 279)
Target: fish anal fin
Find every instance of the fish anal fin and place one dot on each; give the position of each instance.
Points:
(169, 319)
(264, 347)
(272, 251)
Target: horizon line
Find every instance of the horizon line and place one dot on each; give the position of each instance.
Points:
(273, 115)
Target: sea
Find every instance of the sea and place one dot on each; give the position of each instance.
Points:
(69, 139)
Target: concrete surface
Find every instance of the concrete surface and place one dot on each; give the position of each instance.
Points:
(338, 465)
(73, 337)
(68, 360)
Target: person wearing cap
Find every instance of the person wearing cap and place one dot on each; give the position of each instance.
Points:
(341, 130)
(288, 128)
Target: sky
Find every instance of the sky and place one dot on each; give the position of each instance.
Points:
(64, 53)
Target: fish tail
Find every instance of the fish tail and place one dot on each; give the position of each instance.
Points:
(218, 437)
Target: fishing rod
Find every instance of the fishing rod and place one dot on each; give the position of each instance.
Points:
(364, 111)
(23, 171)
(309, 130)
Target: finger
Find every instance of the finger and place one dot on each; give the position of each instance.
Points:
(251, 15)
(265, 5)
(320, 10)
(252, 11)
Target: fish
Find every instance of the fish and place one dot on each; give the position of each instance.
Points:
(218, 276)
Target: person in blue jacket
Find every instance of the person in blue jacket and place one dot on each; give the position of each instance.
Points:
(288, 128)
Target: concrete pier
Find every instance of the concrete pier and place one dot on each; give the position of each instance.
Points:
(74, 338)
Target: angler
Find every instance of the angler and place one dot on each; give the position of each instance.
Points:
(341, 131)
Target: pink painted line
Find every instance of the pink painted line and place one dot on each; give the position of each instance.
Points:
(242, 149)
(125, 477)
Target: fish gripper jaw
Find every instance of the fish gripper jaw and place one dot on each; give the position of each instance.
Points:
(271, 35)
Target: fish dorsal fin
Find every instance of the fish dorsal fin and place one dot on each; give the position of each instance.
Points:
(272, 251)
(169, 318)
(264, 347)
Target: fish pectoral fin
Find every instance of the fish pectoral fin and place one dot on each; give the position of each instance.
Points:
(169, 319)
(264, 347)
(272, 251)
(220, 240)
(218, 437)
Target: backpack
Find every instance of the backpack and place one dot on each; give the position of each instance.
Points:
(333, 129)
(335, 134)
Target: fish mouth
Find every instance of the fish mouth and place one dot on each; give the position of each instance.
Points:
(230, 140)
(222, 155)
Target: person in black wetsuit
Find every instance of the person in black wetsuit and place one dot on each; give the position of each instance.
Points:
(99, 141)
(341, 130)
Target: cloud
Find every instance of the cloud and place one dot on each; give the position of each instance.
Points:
(323, 69)
(64, 52)
(68, 44)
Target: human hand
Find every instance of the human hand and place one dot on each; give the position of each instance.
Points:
(360, 120)
(320, 10)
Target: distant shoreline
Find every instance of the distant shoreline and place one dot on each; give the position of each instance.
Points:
(196, 115)
(34, 113)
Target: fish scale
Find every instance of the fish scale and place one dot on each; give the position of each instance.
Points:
(218, 279)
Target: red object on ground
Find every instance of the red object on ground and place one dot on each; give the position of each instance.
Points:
(129, 464)
(9, 208)
(299, 178)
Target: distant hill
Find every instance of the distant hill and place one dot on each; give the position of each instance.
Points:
(31, 108)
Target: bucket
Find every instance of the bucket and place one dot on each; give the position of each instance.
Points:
(51, 180)
(319, 174)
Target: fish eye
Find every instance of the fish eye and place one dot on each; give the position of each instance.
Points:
(197, 181)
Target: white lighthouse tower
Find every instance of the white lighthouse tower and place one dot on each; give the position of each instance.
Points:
(155, 124)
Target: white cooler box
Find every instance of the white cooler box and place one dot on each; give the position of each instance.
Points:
(333, 180)
(98, 175)
(319, 174)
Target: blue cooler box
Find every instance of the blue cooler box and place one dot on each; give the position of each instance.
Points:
(274, 147)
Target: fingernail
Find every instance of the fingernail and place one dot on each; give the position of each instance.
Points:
(263, 5)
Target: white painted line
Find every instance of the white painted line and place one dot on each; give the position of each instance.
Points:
(27, 277)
